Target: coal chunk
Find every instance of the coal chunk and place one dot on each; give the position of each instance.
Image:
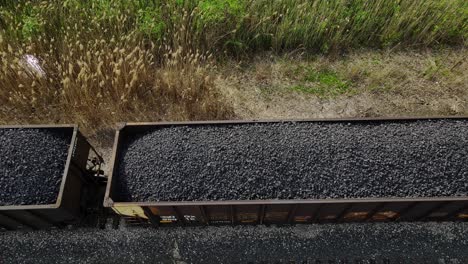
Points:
(295, 160)
(32, 163)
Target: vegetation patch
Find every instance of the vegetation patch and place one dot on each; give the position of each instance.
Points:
(98, 62)
(323, 83)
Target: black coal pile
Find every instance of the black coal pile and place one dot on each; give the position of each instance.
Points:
(341, 243)
(296, 160)
(32, 163)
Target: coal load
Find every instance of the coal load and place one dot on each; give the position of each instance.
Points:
(296, 160)
(32, 163)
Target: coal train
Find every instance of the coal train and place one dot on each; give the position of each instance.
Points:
(281, 172)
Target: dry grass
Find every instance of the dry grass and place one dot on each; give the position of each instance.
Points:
(96, 78)
(379, 84)
(97, 91)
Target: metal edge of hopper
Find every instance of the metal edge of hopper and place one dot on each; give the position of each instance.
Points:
(247, 121)
(132, 211)
(71, 150)
(108, 201)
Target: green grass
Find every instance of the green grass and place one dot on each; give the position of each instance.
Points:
(323, 83)
(240, 27)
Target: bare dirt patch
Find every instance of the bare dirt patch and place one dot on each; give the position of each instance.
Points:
(378, 84)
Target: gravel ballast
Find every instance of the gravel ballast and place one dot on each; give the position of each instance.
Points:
(296, 160)
(397, 242)
(32, 163)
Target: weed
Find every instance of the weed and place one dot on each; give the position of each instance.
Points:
(150, 23)
(322, 90)
(218, 11)
(323, 83)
